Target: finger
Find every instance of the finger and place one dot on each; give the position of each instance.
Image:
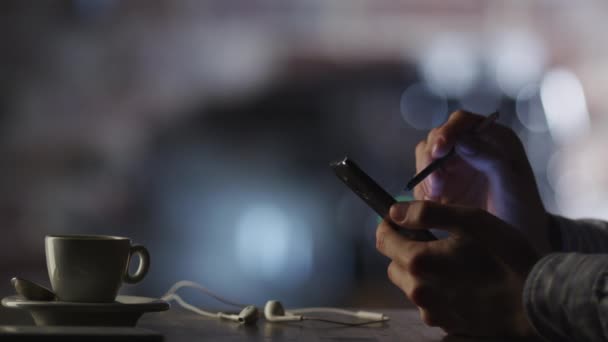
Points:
(400, 277)
(429, 214)
(432, 187)
(435, 184)
(433, 306)
(435, 264)
(419, 192)
(437, 317)
(444, 318)
(394, 246)
(423, 159)
(487, 230)
(482, 157)
(418, 291)
(493, 151)
(446, 136)
(429, 318)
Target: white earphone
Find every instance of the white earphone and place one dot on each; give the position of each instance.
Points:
(273, 310)
(247, 315)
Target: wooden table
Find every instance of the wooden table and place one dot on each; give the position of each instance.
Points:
(405, 326)
(177, 325)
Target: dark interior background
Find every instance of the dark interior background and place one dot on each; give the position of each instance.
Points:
(204, 129)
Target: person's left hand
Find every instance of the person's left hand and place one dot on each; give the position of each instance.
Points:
(470, 283)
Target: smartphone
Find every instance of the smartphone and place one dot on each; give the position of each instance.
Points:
(373, 195)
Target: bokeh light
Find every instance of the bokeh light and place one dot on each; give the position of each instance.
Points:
(482, 99)
(271, 246)
(262, 241)
(518, 59)
(576, 171)
(554, 169)
(450, 65)
(529, 109)
(564, 102)
(421, 108)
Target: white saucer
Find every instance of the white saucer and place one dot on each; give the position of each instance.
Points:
(125, 311)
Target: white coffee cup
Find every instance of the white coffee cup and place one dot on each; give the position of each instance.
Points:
(91, 268)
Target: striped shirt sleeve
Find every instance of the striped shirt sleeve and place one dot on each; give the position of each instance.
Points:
(566, 294)
(584, 236)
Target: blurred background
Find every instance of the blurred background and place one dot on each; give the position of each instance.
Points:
(204, 129)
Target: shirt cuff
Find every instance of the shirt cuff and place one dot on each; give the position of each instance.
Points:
(562, 295)
(583, 235)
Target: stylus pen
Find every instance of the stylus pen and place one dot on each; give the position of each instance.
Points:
(438, 162)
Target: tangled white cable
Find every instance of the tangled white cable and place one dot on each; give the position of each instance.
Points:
(273, 310)
(247, 315)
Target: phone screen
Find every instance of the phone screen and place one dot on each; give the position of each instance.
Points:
(373, 195)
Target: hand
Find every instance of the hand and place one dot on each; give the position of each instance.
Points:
(470, 283)
(490, 171)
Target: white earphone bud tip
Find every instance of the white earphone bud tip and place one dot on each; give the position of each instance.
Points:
(375, 316)
(248, 315)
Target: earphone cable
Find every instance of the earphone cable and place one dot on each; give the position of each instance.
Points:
(188, 306)
(367, 315)
(348, 324)
(171, 295)
(323, 310)
(190, 284)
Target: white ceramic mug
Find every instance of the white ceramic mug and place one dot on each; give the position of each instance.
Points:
(91, 268)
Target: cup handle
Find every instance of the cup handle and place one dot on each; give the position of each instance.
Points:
(144, 264)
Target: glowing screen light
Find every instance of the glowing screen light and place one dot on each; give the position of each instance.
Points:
(563, 100)
(269, 246)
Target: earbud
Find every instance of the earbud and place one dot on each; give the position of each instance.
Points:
(274, 312)
(248, 315)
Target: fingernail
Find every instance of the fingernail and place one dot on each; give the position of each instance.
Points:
(466, 145)
(438, 148)
(398, 212)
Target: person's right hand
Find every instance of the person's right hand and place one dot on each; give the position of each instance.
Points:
(470, 283)
(490, 171)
